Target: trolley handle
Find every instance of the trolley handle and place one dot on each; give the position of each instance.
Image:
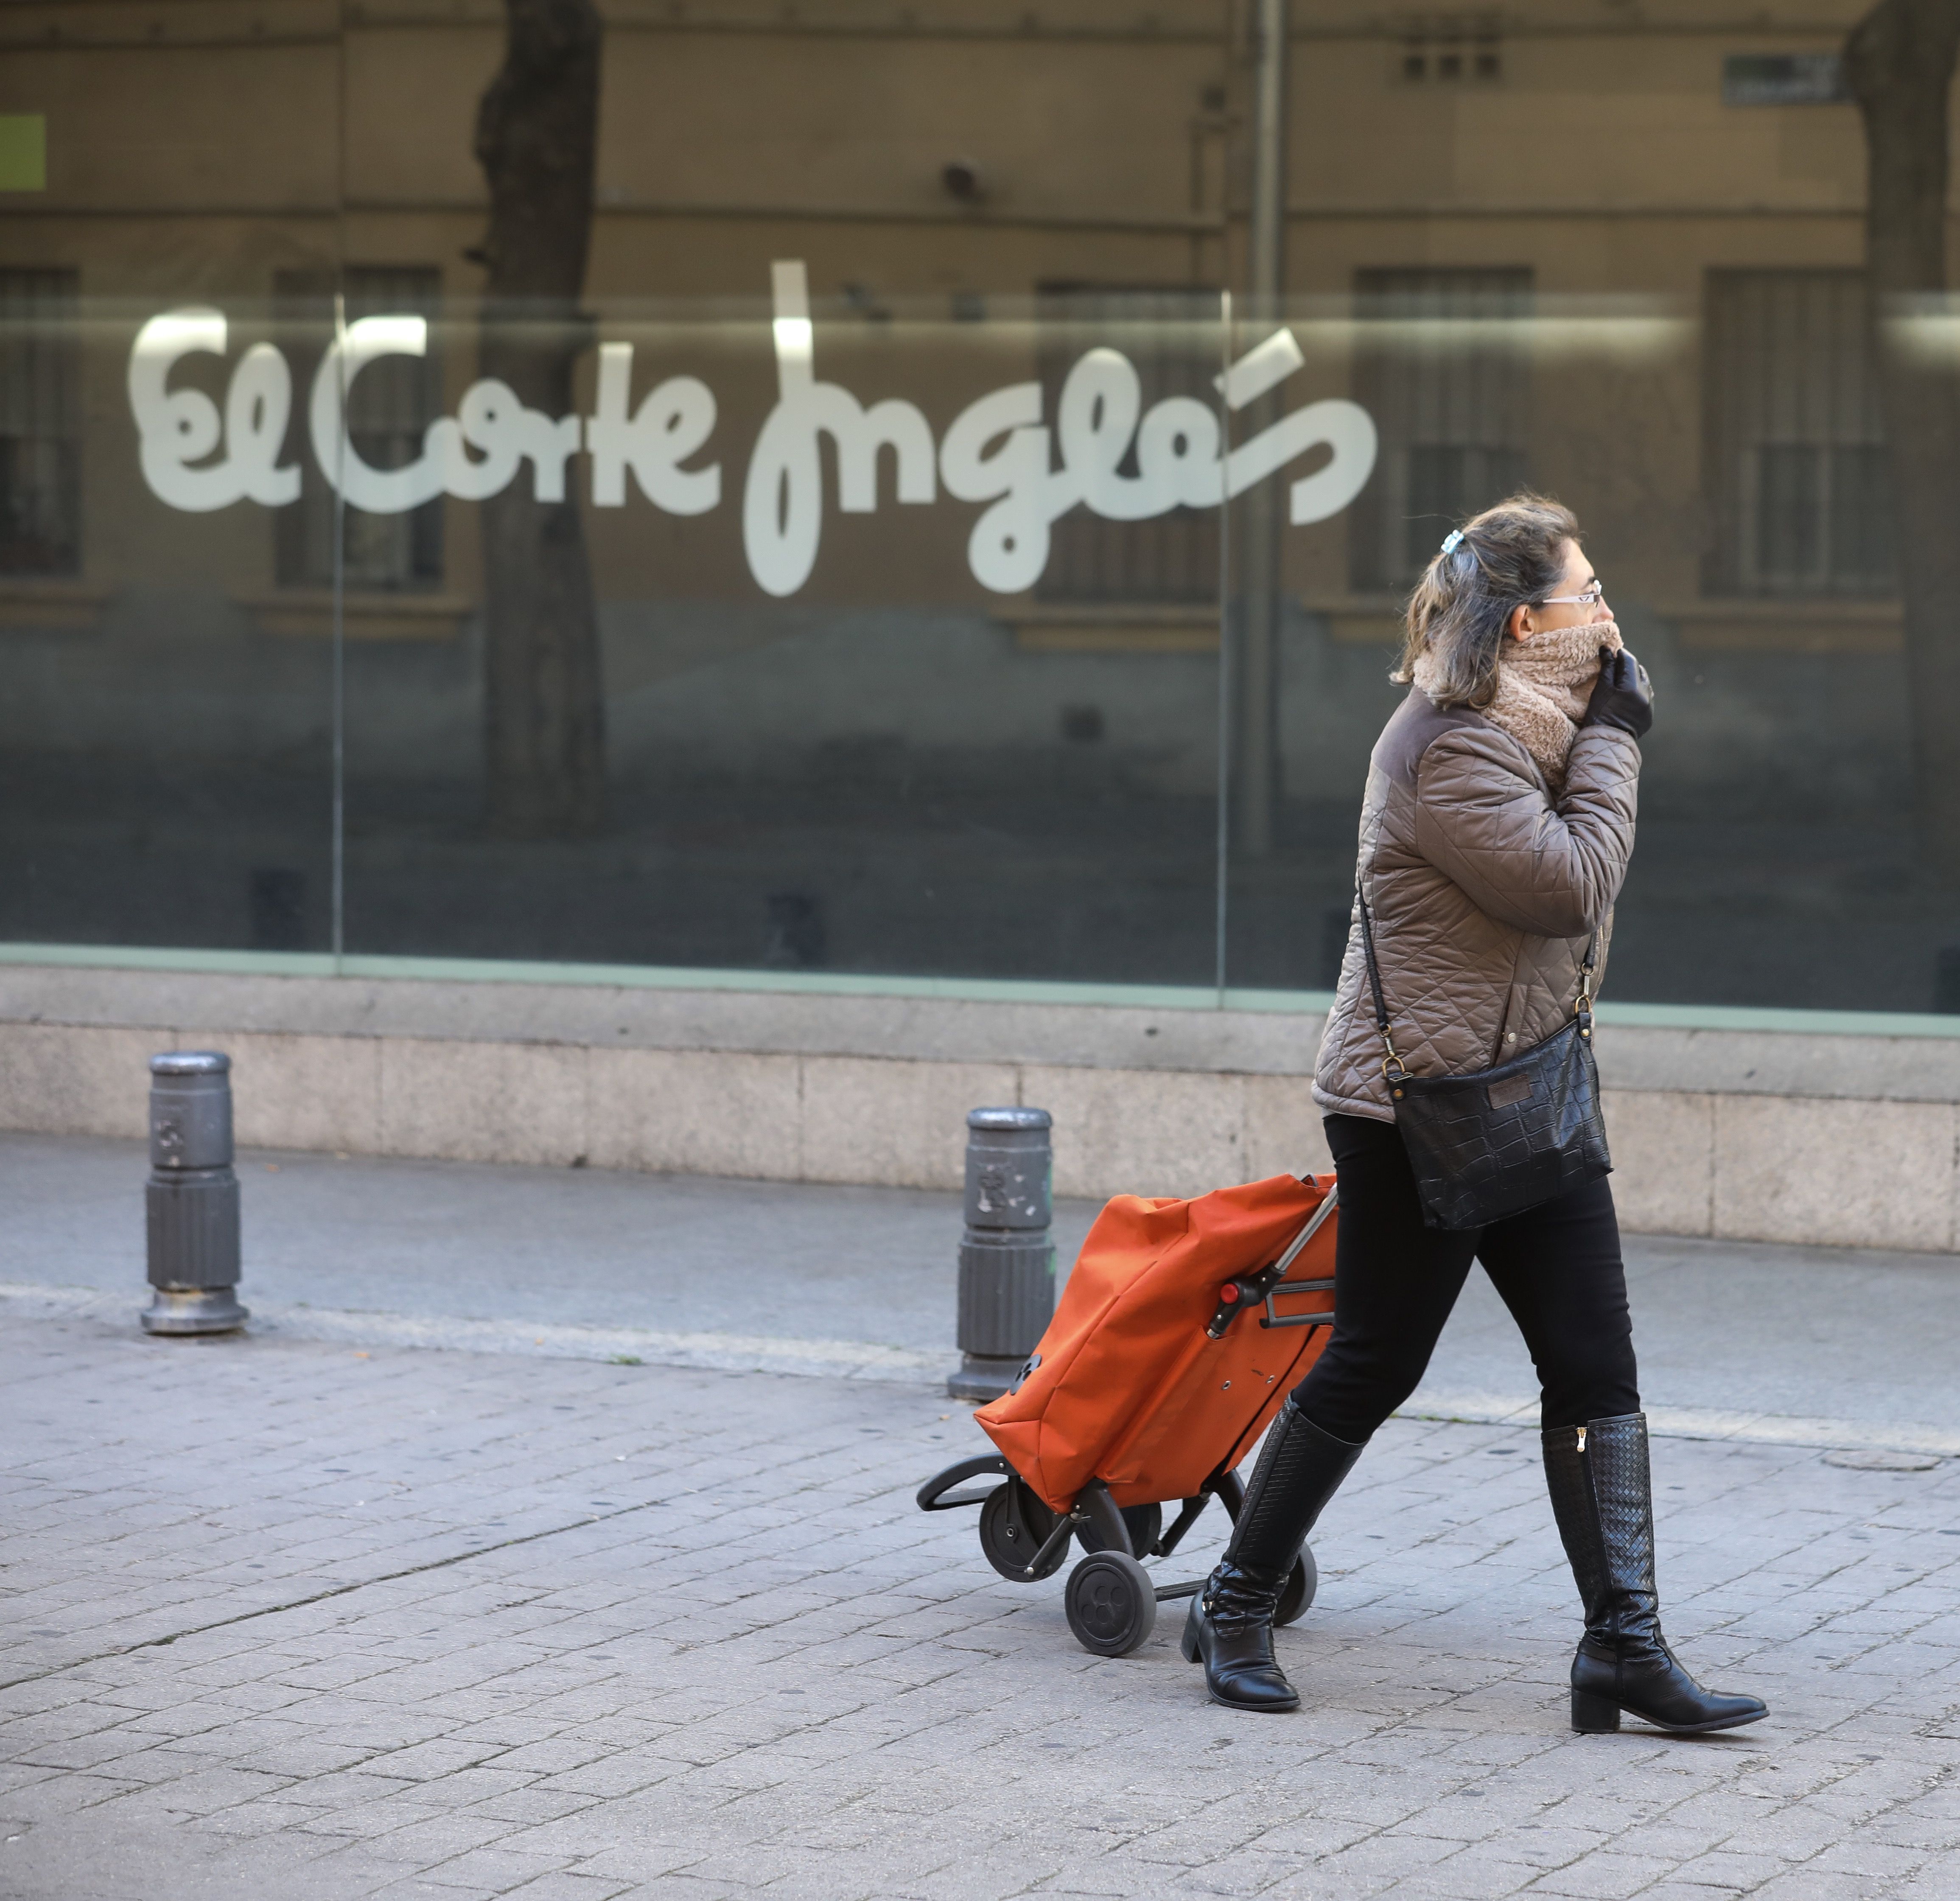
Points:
(1273, 1317)
(1249, 1290)
(933, 1495)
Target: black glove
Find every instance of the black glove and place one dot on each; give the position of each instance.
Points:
(1622, 696)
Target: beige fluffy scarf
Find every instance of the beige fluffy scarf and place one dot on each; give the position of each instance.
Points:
(1544, 682)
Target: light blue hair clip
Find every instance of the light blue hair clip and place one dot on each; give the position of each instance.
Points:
(1450, 540)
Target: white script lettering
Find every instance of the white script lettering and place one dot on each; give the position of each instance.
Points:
(999, 450)
(666, 429)
(782, 504)
(178, 428)
(1177, 443)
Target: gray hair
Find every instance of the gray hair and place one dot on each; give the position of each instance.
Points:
(1509, 556)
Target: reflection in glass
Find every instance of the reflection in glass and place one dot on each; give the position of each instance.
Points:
(924, 697)
(1441, 370)
(390, 407)
(1171, 337)
(40, 422)
(1795, 454)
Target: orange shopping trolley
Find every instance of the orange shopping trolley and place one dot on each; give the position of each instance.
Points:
(1184, 1326)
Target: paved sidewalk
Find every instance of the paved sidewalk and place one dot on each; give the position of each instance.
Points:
(323, 1619)
(286, 1619)
(1803, 1345)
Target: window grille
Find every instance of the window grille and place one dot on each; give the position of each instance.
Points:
(40, 423)
(391, 405)
(1441, 367)
(1794, 442)
(1172, 336)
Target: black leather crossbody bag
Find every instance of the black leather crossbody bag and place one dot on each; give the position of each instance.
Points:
(1503, 1140)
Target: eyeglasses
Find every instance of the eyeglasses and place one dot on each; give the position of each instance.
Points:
(1591, 598)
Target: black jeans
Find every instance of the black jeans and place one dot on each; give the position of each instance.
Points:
(1557, 1267)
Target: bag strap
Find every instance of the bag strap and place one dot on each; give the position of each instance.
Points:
(1392, 1064)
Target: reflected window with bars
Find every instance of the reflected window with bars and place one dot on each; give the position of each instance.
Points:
(40, 423)
(1441, 367)
(1794, 441)
(389, 407)
(1172, 336)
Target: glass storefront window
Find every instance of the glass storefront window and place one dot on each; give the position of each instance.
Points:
(884, 538)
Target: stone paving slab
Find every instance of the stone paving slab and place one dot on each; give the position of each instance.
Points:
(1804, 1346)
(866, 1360)
(725, 1352)
(288, 1619)
(581, 1246)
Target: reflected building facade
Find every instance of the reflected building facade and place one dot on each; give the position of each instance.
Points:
(896, 683)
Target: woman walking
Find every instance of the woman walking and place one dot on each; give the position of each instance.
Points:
(1495, 833)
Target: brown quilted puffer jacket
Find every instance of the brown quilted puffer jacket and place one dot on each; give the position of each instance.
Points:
(1484, 890)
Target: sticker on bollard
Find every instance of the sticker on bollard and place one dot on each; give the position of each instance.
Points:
(1007, 1259)
(192, 1197)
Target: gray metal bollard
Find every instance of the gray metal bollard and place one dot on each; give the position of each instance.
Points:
(1007, 1259)
(193, 1197)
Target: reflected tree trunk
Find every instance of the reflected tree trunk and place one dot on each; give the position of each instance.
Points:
(536, 132)
(1899, 61)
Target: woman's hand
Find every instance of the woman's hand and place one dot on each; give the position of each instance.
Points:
(1622, 696)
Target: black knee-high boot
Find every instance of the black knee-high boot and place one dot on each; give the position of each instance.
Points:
(1230, 1624)
(1603, 1499)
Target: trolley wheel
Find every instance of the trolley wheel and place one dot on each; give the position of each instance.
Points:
(1297, 1592)
(1014, 1524)
(1112, 1605)
(1143, 1523)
